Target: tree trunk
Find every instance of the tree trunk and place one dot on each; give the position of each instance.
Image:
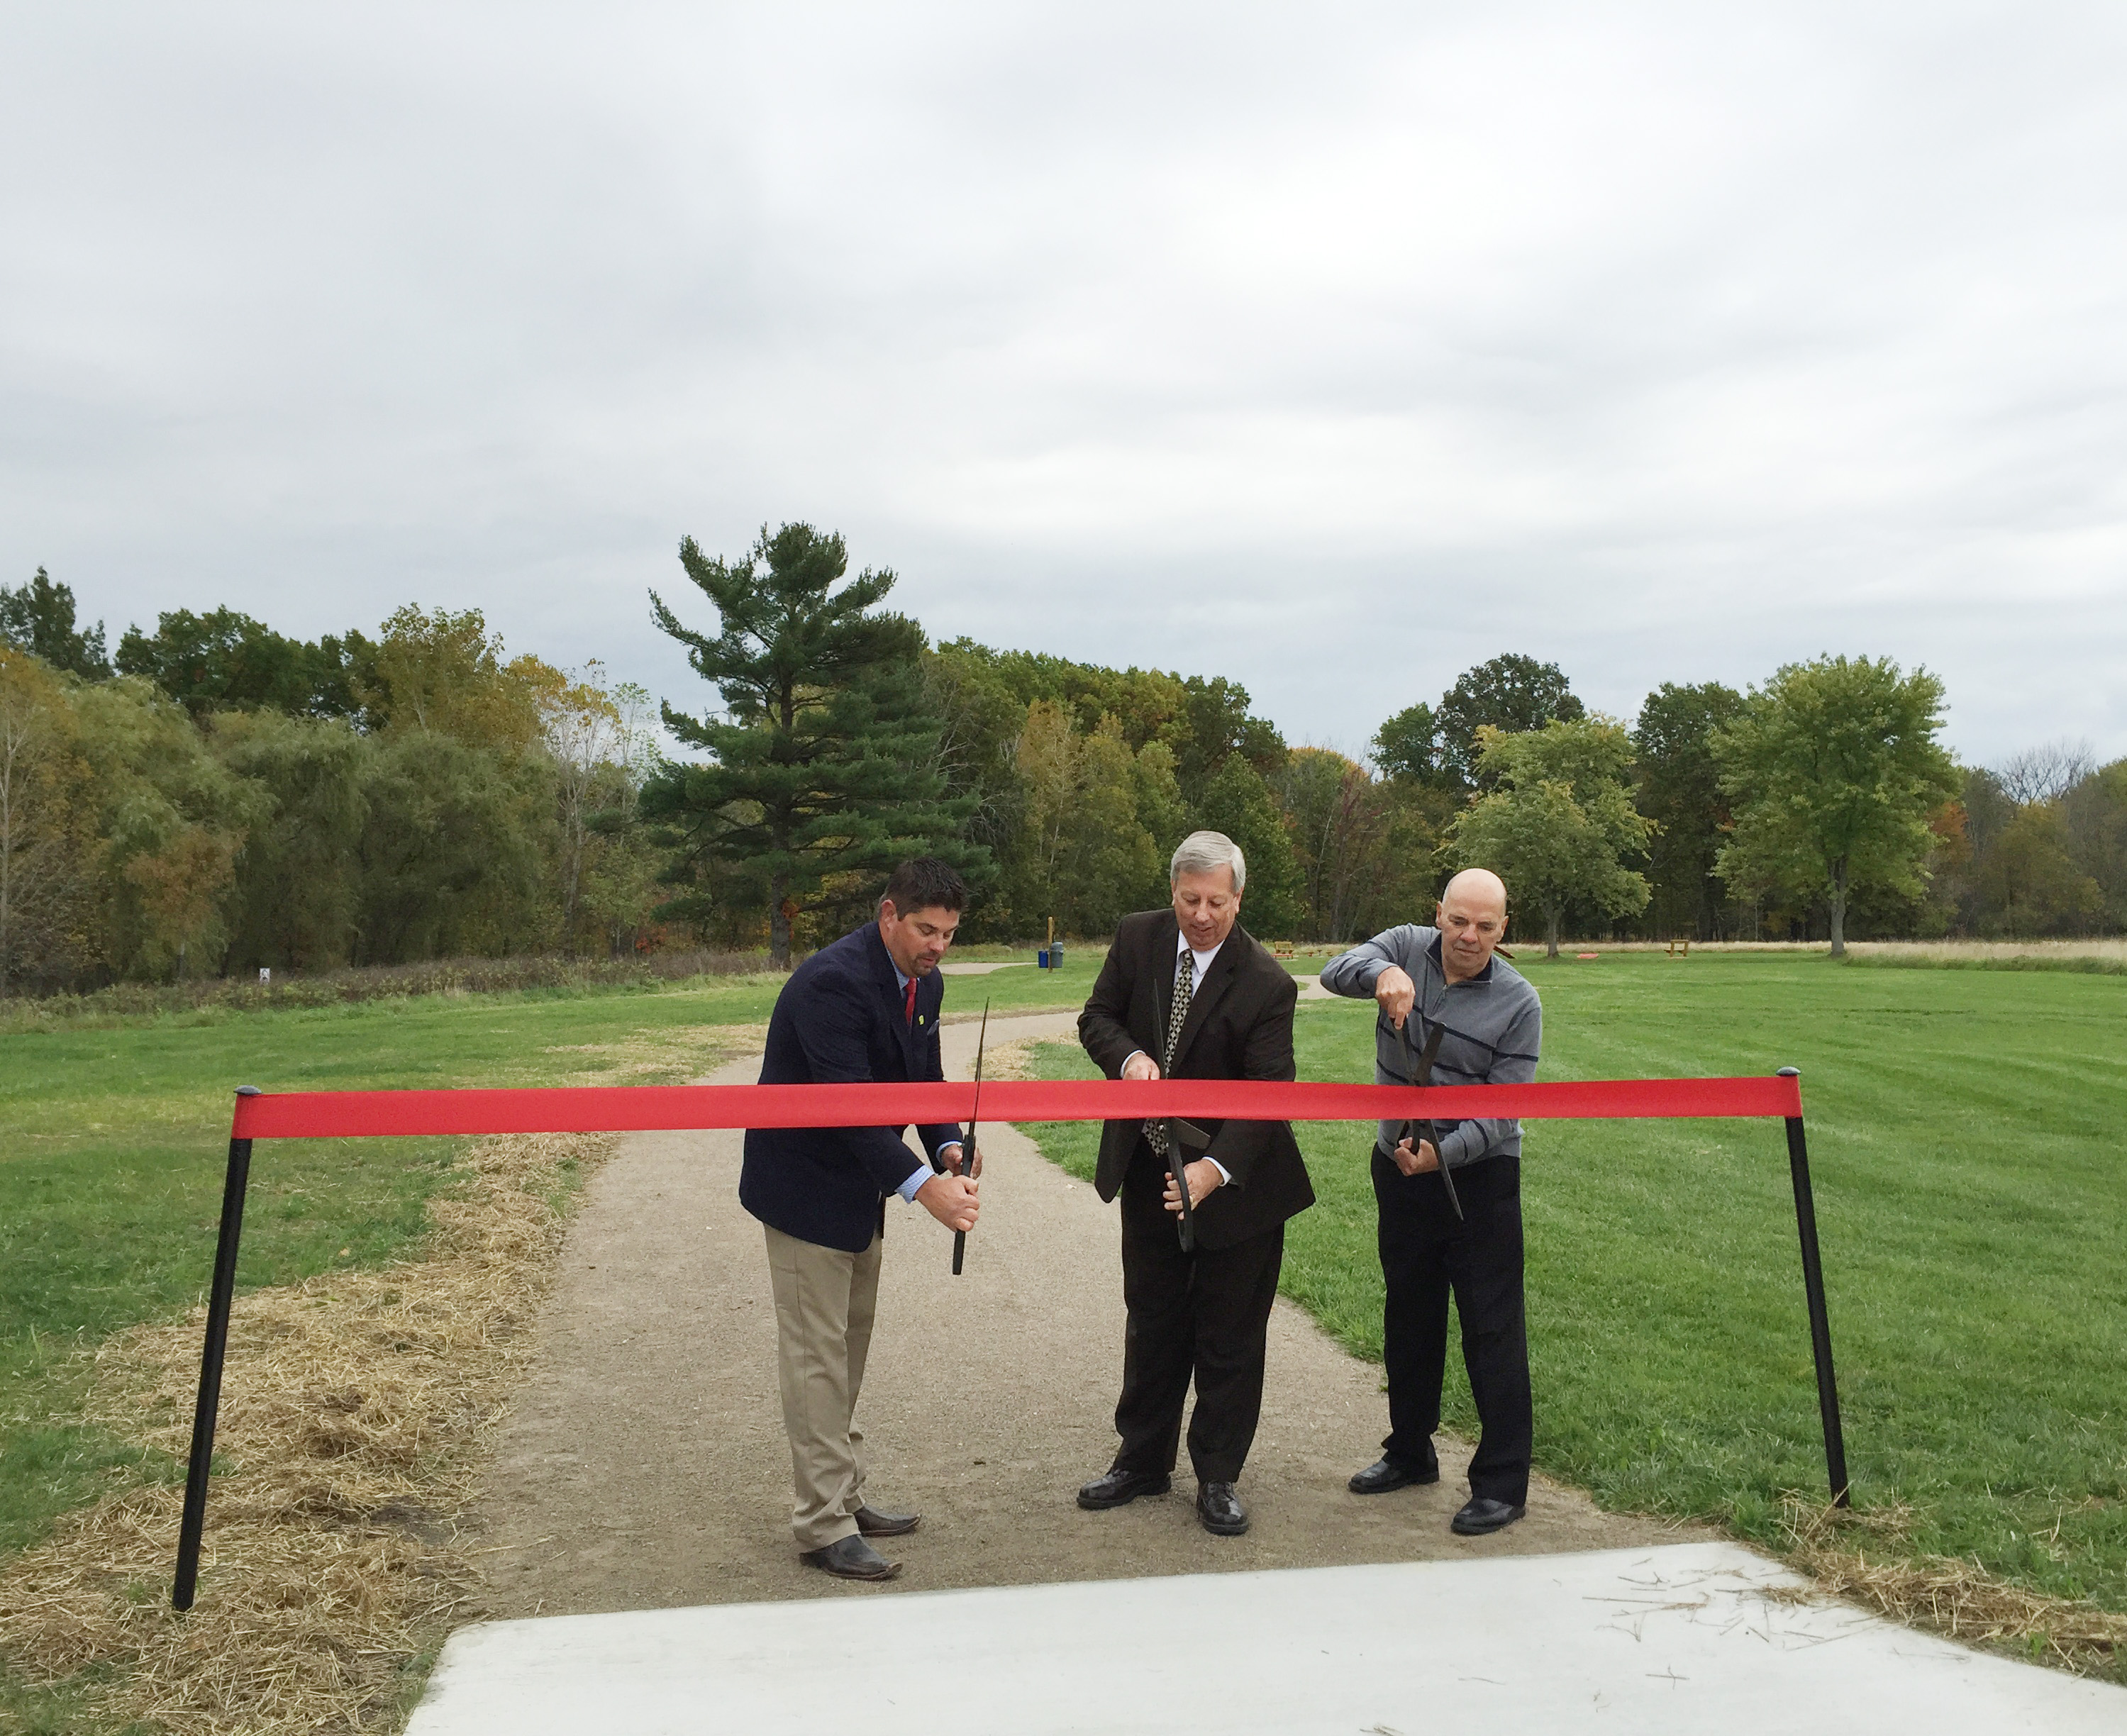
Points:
(1839, 915)
(1551, 919)
(779, 924)
(573, 891)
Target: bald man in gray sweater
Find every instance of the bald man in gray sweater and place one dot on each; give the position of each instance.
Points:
(1446, 981)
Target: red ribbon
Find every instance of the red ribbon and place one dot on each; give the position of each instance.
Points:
(632, 1108)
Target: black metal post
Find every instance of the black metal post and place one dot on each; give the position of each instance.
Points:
(1820, 1321)
(220, 1299)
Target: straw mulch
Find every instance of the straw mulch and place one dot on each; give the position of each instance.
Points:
(1949, 1594)
(356, 1409)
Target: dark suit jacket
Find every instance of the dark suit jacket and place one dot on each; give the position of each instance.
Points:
(839, 1019)
(1238, 1026)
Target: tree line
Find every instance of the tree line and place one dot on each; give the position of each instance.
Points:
(220, 798)
(215, 796)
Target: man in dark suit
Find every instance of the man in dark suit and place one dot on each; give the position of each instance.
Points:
(1187, 994)
(864, 1009)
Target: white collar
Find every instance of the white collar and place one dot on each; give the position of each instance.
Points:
(1203, 959)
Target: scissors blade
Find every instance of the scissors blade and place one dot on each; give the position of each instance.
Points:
(1421, 1074)
(1183, 1136)
(968, 1150)
(975, 1110)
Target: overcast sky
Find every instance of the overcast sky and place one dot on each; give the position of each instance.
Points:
(1333, 347)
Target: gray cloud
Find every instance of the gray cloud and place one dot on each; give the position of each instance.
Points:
(1332, 348)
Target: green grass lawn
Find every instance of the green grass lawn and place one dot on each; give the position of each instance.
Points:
(1968, 1188)
(113, 1135)
(1964, 1138)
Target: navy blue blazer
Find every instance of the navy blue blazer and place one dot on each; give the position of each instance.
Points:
(839, 1020)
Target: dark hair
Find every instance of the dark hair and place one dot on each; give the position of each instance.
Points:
(923, 882)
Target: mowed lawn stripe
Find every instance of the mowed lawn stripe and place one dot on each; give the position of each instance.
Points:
(1963, 1139)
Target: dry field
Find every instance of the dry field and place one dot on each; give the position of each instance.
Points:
(356, 1413)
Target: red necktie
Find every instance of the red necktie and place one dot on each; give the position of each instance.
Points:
(908, 1006)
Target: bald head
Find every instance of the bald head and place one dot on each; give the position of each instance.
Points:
(1472, 919)
(1477, 887)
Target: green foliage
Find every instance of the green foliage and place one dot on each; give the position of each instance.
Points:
(171, 820)
(845, 740)
(1081, 779)
(1835, 770)
(140, 840)
(1437, 747)
(2095, 810)
(1362, 865)
(296, 899)
(444, 673)
(223, 660)
(1201, 722)
(1512, 693)
(1111, 866)
(452, 848)
(38, 618)
(1238, 803)
(2029, 881)
(1407, 747)
(2020, 862)
(1087, 857)
(1558, 822)
(1679, 791)
(825, 768)
(980, 720)
(48, 846)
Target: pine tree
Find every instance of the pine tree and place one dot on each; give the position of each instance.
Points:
(38, 618)
(825, 765)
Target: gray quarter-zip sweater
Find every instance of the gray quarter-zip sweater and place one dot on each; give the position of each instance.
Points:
(1493, 1032)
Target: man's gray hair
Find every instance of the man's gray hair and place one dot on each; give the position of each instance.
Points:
(1200, 852)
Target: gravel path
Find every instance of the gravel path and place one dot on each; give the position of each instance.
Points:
(644, 1465)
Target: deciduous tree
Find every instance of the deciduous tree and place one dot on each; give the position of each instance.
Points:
(47, 833)
(171, 819)
(1679, 790)
(297, 899)
(1513, 693)
(1238, 803)
(2029, 882)
(1834, 769)
(445, 672)
(224, 661)
(1407, 747)
(1559, 822)
(2096, 812)
(1339, 824)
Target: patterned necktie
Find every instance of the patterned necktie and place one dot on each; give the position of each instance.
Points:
(1184, 986)
(908, 1005)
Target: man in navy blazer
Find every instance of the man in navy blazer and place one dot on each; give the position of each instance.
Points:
(864, 1009)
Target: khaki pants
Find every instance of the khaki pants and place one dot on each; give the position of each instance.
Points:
(825, 1301)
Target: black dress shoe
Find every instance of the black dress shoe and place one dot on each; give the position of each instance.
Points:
(1221, 1509)
(1386, 1474)
(873, 1523)
(1481, 1514)
(851, 1557)
(1116, 1487)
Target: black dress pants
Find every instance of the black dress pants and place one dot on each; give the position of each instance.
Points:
(1427, 1253)
(1202, 1315)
